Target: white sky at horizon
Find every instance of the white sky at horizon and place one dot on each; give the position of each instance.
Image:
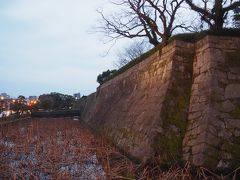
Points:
(46, 47)
(50, 45)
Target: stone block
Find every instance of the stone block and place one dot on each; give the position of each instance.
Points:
(223, 134)
(232, 76)
(205, 67)
(197, 107)
(232, 124)
(186, 157)
(199, 148)
(194, 115)
(232, 91)
(228, 106)
(198, 159)
(186, 149)
(235, 70)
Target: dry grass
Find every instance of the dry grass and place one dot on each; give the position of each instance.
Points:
(56, 148)
(64, 149)
(186, 173)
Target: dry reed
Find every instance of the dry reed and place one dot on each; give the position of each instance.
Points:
(64, 149)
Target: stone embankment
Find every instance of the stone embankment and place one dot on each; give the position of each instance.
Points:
(180, 103)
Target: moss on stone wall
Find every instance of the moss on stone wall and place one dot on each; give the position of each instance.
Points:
(232, 147)
(236, 112)
(167, 148)
(212, 156)
(178, 117)
(177, 114)
(168, 145)
(233, 59)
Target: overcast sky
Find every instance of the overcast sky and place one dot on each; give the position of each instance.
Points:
(45, 46)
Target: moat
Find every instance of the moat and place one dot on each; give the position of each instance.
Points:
(52, 148)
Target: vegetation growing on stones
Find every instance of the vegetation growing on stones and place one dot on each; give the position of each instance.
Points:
(168, 145)
(105, 76)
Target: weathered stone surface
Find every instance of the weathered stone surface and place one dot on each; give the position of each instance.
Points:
(219, 89)
(198, 159)
(145, 109)
(228, 106)
(139, 100)
(232, 91)
(232, 124)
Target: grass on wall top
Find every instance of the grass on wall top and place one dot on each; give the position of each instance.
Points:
(187, 37)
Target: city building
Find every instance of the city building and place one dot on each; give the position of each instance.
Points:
(77, 96)
(32, 98)
(5, 102)
(4, 96)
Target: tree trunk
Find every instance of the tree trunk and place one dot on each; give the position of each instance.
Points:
(218, 15)
(165, 39)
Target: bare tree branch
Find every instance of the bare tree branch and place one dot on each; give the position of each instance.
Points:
(216, 16)
(151, 19)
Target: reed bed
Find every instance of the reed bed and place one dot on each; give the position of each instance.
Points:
(64, 149)
(57, 149)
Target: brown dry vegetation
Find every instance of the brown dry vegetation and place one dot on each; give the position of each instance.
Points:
(57, 149)
(64, 149)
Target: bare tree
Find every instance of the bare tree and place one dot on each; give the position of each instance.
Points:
(236, 18)
(151, 19)
(213, 12)
(130, 53)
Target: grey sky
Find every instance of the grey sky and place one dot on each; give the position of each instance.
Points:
(45, 46)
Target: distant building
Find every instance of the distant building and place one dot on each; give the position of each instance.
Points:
(5, 104)
(4, 96)
(32, 98)
(77, 96)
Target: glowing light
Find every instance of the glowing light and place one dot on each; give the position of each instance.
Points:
(8, 113)
(2, 98)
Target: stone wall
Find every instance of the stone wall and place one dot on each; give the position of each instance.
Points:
(89, 107)
(180, 103)
(213, 135)
(144, 110)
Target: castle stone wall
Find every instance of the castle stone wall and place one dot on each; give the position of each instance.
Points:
(213, 135)
(180, 103)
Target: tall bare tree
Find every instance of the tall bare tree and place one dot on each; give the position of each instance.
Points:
(131, 52)
(213, 12)
(152, 19)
